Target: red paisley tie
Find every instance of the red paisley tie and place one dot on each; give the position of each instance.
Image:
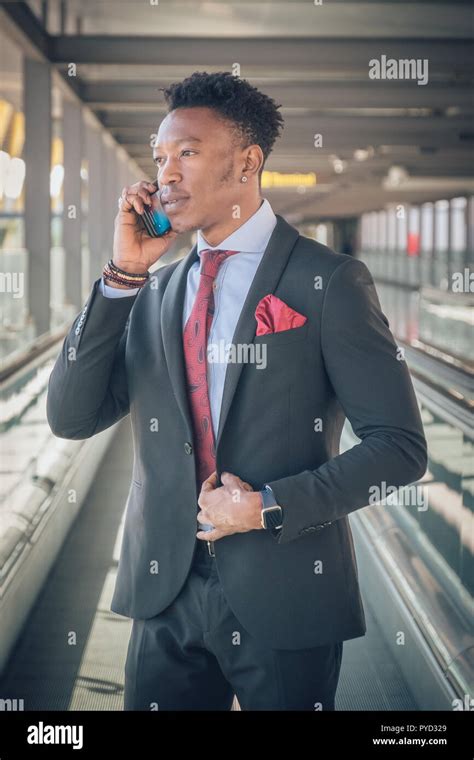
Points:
(195, 337)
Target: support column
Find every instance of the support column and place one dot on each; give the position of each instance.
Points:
(37, 152)
(123, 176)
(469, 260)
(72, 214)
(434, 281)
(111, 193)
(94, 217)
(114, 192)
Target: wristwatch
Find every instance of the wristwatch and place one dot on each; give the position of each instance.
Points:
(272, 513)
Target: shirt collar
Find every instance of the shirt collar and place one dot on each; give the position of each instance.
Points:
(251, 237)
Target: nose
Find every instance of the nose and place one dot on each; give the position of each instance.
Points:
(168, 174)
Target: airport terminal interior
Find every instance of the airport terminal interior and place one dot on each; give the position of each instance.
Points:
(374, 166)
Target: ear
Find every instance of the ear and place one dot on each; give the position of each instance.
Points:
(253, 160)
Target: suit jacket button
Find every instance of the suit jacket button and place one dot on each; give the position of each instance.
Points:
(188, 448)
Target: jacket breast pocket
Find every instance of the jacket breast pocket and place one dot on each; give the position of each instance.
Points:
(283, 337)
(280, 356)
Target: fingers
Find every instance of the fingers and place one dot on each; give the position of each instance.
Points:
(210, 535)
(203, 518)
(233, 481)
(136, 197)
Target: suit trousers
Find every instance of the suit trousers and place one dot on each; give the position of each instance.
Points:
(195, 655)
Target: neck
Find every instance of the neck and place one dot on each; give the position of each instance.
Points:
(220, 230)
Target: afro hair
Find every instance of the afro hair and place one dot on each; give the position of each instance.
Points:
(254, 114)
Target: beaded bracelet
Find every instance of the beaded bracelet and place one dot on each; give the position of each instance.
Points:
(130, 280)
(117, 270)
(119, 281)
(113, 278)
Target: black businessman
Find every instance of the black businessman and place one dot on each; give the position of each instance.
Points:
(237, 564)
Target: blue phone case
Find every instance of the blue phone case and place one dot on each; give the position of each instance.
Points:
(156, 222)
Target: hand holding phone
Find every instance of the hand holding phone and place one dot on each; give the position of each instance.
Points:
(135, 247)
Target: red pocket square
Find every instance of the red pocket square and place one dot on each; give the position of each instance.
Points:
(274, 315)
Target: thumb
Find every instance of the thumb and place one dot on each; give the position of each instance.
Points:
(210, 483)
(155, 248)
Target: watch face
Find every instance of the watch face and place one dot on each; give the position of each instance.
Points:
(272, 517)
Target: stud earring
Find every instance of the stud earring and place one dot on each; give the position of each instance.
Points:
(244, 179)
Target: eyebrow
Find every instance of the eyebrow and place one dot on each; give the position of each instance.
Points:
(177, 142)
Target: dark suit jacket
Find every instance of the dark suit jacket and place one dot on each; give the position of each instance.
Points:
(300, 590)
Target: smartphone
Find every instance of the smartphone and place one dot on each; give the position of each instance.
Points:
(154, 218)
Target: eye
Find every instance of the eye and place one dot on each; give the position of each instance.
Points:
(188, 150)
(158, 159)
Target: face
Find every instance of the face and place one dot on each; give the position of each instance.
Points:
(199, 164)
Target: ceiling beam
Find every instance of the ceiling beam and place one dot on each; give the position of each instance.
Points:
(327, 55)
(28, 25)
(323, 123)
(296, 18)
(315, 95)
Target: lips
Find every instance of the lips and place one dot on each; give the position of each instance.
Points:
(173, 203)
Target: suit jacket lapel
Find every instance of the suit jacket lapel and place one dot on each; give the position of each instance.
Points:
(265, 281)
(172, 333)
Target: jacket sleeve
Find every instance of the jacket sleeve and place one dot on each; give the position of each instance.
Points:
(87, 389)
(372, 383)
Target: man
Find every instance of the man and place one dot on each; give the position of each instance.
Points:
(257, 599)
